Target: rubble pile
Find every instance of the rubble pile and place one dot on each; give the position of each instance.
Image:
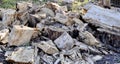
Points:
(50, 34)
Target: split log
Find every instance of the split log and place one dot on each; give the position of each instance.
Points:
(20, 35)
(104, 18)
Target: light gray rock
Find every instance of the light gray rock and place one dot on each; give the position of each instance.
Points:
(65, 41)
(61, 18)
(48, 47)
(48, 11)
(4, 36)
(22, 55)
(8, 17)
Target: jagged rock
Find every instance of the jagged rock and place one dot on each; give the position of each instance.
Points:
(4, 35)
(48, 59)
(101, 15)
(89, 39)
(16, 22)
(33, 20)
(8, 17)
(22, 55)
(23, 17)
(108, 20)
(1, 13)
(48, 11)
(68, 1)
(97, 57)
(40, 26)
(61, 18)
(64, 8)
(65, 41)
(20, 35)
(42, 15)
(53, 32)
(23, 6)
(78, 21)
(52, 6)
(73, 15)
(48, 47)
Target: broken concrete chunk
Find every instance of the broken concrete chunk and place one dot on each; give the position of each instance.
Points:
(48, 11)
(4, 35)
(20, 35)
(65, 41)
(61, 18)
(22, 55)
(89, 39)
(8, 17)
(48, 47)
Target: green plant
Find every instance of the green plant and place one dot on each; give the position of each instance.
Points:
(77, 4)
(12, 3)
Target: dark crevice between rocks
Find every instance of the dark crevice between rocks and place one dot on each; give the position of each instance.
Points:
(0, 19)
(74, 33)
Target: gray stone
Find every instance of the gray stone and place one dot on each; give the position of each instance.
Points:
(22, 55)
(65, 41)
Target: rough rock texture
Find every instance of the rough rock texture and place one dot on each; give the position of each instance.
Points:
(20, 35)
(8, 17)
(64, 41)
(4, 35)
(19, 57)
(53, 34)
(48, 47)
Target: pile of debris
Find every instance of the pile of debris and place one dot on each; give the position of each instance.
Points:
(50, 34)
